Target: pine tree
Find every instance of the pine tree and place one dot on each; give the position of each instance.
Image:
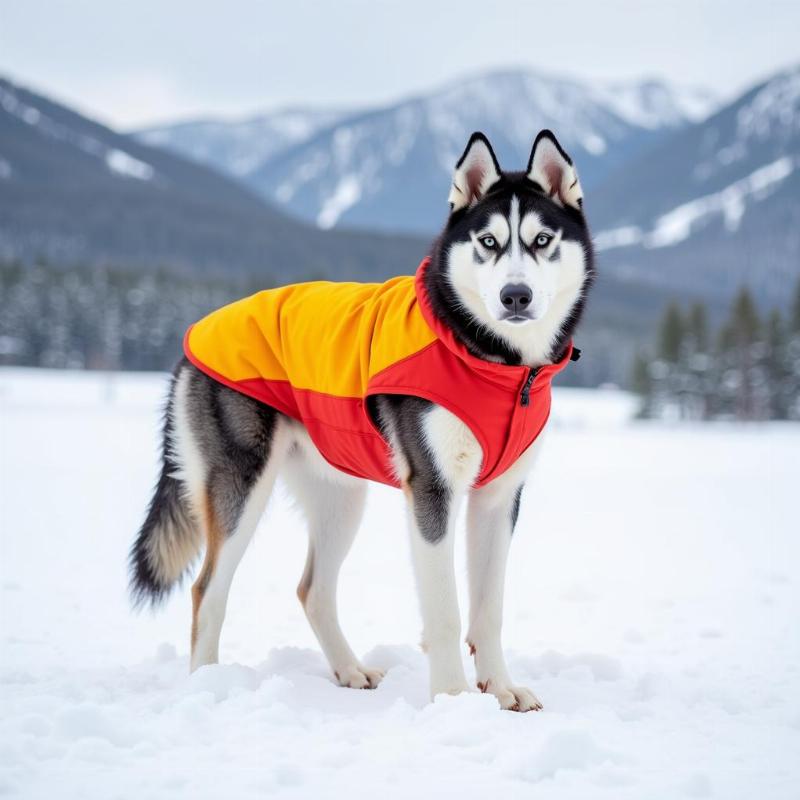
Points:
(777, 368)
(793, 358)
(697, 327)
(752, 373)
(794, 319)
(671, 334)
(742, 356)
(698, 378)
(667, 371)
(642, 383)
(745, 317)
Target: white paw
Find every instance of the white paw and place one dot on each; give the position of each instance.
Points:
(512, 698)
(354, 676)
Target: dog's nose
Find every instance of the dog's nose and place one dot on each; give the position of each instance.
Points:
(516, 297)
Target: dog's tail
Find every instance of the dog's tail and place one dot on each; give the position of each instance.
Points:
(169, 540)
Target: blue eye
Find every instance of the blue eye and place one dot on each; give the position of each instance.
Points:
(542, 240)
(488, 242)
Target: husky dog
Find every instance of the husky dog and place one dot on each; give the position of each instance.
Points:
(508, 277)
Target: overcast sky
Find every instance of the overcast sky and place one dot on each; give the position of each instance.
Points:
(134, 63)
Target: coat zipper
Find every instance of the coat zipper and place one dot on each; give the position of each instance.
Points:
(525, 394)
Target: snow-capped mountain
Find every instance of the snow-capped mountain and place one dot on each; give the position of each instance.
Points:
(717, 204)
(240, 146)
(76, 193)
(390, 168)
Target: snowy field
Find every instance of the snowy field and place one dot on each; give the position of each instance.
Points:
(653, 603)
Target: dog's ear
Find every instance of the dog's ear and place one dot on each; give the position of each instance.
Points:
(552, 169)
(476, 171)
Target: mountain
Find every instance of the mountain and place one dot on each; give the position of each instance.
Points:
(714, 206)
(75, 192)
(79, 195)
(239, 147)
(390, 168)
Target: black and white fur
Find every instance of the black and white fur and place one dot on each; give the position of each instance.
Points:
(509, 275)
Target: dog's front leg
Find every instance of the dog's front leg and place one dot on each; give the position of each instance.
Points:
(431, 513)
(491, 516)
(437, 459)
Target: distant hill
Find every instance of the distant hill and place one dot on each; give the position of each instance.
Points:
(240, 146)
(390, 168)
(714, 206)
(75, 192)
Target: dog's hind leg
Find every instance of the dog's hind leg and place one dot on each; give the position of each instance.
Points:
(226, 542)
(236, 445)
(333, 505)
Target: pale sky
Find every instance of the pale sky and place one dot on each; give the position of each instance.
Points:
(133, 63)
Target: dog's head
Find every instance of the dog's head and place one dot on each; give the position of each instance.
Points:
(516, 249)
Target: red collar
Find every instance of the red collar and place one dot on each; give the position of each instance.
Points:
(491, 369)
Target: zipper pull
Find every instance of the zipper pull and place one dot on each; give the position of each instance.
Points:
(525, 395)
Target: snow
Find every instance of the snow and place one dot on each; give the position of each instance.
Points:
(624, 236)
(125, 164)
(652, 605)
(241, 146)
(731, 203)
(774, 110)
(306, 173)
(594, 144)
(769, 120)
(678, 224)
(654, 105)
(346, 195)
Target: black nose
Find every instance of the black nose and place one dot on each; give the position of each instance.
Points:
(516, 297)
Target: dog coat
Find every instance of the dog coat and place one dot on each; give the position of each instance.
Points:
(317, 351)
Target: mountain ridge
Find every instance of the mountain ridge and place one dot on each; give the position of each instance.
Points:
(84, 196)
(388, 167)
(716, 205)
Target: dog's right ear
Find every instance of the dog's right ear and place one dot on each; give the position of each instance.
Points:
(475, 172)
(552, 169)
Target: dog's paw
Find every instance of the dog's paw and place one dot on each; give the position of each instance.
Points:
(512, 698)
(354, 676)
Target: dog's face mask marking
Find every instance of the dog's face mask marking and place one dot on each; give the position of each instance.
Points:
(517, 244)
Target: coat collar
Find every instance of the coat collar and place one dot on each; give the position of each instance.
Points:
(490, 369)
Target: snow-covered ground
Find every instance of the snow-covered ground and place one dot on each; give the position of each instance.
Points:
(653, 598)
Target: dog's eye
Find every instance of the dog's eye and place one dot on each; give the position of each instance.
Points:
(489, 242)
(542, 240)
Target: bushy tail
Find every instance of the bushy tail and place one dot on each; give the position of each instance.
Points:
(169, 540)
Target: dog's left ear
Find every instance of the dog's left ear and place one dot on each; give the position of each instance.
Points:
(476, 171)
(552, 169)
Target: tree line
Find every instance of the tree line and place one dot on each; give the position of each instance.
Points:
(103, 318)
(747, 368)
